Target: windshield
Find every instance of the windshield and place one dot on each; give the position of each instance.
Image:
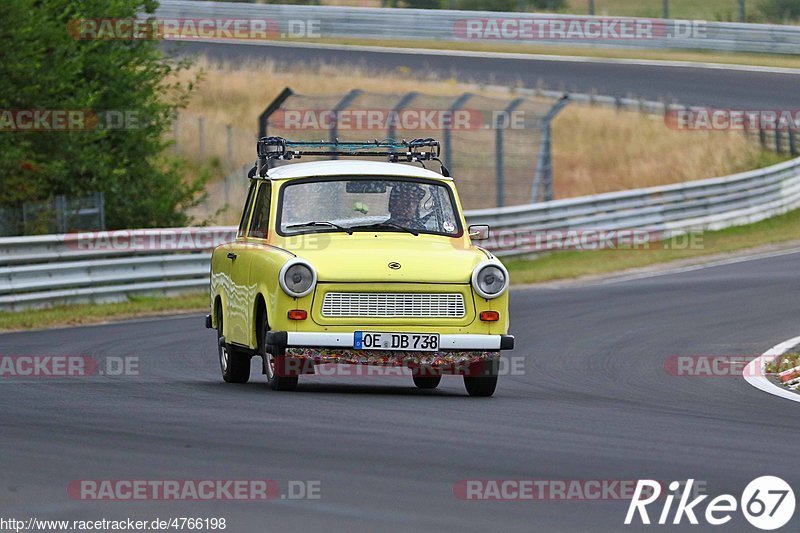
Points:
(368, 204)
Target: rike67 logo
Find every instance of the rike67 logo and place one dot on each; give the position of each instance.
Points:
(767, 503)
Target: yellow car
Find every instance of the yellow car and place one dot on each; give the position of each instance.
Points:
(358, 262)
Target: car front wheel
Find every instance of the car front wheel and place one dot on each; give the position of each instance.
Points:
(271, 361)
(235, 366)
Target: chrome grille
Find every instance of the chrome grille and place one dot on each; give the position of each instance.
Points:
(393, 305)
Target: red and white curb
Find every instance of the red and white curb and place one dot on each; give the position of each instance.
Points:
(790, 377)
(754, 372)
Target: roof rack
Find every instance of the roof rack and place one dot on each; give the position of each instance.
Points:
(413, 151)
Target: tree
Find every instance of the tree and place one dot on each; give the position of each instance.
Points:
(44, 67)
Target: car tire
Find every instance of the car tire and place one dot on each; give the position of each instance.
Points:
(427, 382)
(234, 365)
(275, 382)
(480, 387)
(481, 380)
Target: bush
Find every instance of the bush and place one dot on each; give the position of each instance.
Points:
(44, 67)
(780, 10)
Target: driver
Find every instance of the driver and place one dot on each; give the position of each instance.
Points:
(404, 203)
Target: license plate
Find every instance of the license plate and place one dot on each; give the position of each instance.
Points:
(380, 340)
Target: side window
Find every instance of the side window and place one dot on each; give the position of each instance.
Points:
(246, 212)
(260, 224)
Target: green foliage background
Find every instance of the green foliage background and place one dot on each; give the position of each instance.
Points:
(42, 66)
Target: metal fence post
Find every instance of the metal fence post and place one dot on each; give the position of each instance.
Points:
(101, 209)
(263, 118)
(448, 141)
(175, 131)
(544, 167)
(778, 142)
(792, 142)
(665, 9)
(276, 104)
(230, 142)
(200, 137)
(61, 213)
(343, 103)
(591, 7)
(401, 104)
(499, 149)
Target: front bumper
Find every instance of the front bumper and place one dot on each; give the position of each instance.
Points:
(457, 342)
(458, 354)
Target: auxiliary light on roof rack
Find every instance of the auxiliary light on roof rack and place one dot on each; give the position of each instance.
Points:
(413, 151)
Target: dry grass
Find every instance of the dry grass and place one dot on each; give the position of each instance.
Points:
(238, 95)
(595, 149)
(599, 150)
(227, 96)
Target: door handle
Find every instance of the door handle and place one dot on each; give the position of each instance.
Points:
(231, 256)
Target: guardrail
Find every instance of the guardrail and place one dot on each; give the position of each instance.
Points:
(331, 22)
(104, 266)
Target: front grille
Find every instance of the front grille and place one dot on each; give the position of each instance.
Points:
(393, 305)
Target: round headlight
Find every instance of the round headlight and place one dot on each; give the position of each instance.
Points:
(490, 279)
(297, 278)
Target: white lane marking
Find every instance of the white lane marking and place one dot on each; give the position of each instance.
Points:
(510, 55)
(754, 375)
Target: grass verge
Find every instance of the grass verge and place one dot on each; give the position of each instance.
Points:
(74, 315)
(574, 264)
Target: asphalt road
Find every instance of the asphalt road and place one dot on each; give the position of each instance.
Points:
(594, 403)
(690, 86)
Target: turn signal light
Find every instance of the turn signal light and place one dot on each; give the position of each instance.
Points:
(297, 314)
(490, 316)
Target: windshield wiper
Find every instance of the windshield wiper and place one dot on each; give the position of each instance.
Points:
(388, 224)
(321, 223)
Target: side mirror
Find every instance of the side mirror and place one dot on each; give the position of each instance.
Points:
(479, 232)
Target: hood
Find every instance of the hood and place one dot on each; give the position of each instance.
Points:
(365, 257)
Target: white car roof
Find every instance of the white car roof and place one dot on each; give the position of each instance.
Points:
(351, 167)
